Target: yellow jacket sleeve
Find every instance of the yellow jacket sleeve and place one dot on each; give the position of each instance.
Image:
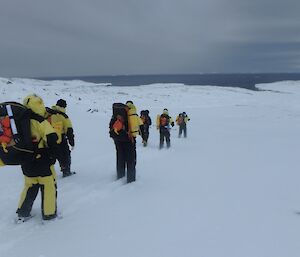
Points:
(48, 134)
(67, 124)
(171, 121)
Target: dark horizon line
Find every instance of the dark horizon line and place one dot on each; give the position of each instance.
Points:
(164, 74)
(244, 80)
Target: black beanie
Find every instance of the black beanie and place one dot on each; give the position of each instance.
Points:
(61, 103)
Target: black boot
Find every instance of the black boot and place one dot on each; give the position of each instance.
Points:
(67, 172)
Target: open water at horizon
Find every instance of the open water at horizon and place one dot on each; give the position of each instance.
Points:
(242, 80)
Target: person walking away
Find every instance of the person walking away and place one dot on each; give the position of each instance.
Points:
(63, 126)
(163, 123)
(181, 121)
(124, 127)
(145, 127)
(39, 173)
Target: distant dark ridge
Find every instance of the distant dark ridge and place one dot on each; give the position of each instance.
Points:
(242, 80)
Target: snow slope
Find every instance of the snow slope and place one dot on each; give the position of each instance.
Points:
(231, 189)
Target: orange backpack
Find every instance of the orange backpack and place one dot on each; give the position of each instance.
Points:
(119, 124)
(6, 135)
(16, 147)
(164, 121)
(143, 118)
(180, 120)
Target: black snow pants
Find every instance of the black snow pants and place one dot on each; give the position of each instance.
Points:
(64, 156)
(182, 128)
(126, 158)
(164, 134)
(145, 132)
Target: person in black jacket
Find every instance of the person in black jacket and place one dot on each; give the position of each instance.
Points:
(123, 128)
(145, 127)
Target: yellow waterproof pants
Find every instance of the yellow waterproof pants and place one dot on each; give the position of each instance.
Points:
(1, 163)
(48, 189)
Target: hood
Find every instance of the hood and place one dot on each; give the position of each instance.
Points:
(36, 104)
(166, 112)
(132, 109)
(58, 108)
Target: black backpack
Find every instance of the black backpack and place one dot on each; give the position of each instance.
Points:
(146, 118)
(16, 147)
(118, 126)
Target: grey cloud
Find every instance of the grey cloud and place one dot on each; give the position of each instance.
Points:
(74, 37)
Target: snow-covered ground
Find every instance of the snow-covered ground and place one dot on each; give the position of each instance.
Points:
(231, 189)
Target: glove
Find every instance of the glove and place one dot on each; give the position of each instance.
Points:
(172, 124)
(17, 139)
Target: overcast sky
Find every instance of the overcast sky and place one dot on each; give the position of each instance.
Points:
(97, 37)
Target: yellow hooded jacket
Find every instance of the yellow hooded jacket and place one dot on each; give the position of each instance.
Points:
(43, 137)
(61, 124)
(185, 120)
(165, 115)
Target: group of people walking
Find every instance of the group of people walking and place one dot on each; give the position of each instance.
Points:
(124, 127)
(52, 138)
(164, 123)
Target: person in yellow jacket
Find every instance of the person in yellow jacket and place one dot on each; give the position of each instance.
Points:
(135, 124)
(125, 141)
(63, 126)
(163, 123)
(181, 121)
(39, 173)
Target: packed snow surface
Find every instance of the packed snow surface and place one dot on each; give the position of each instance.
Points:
(230, 189)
